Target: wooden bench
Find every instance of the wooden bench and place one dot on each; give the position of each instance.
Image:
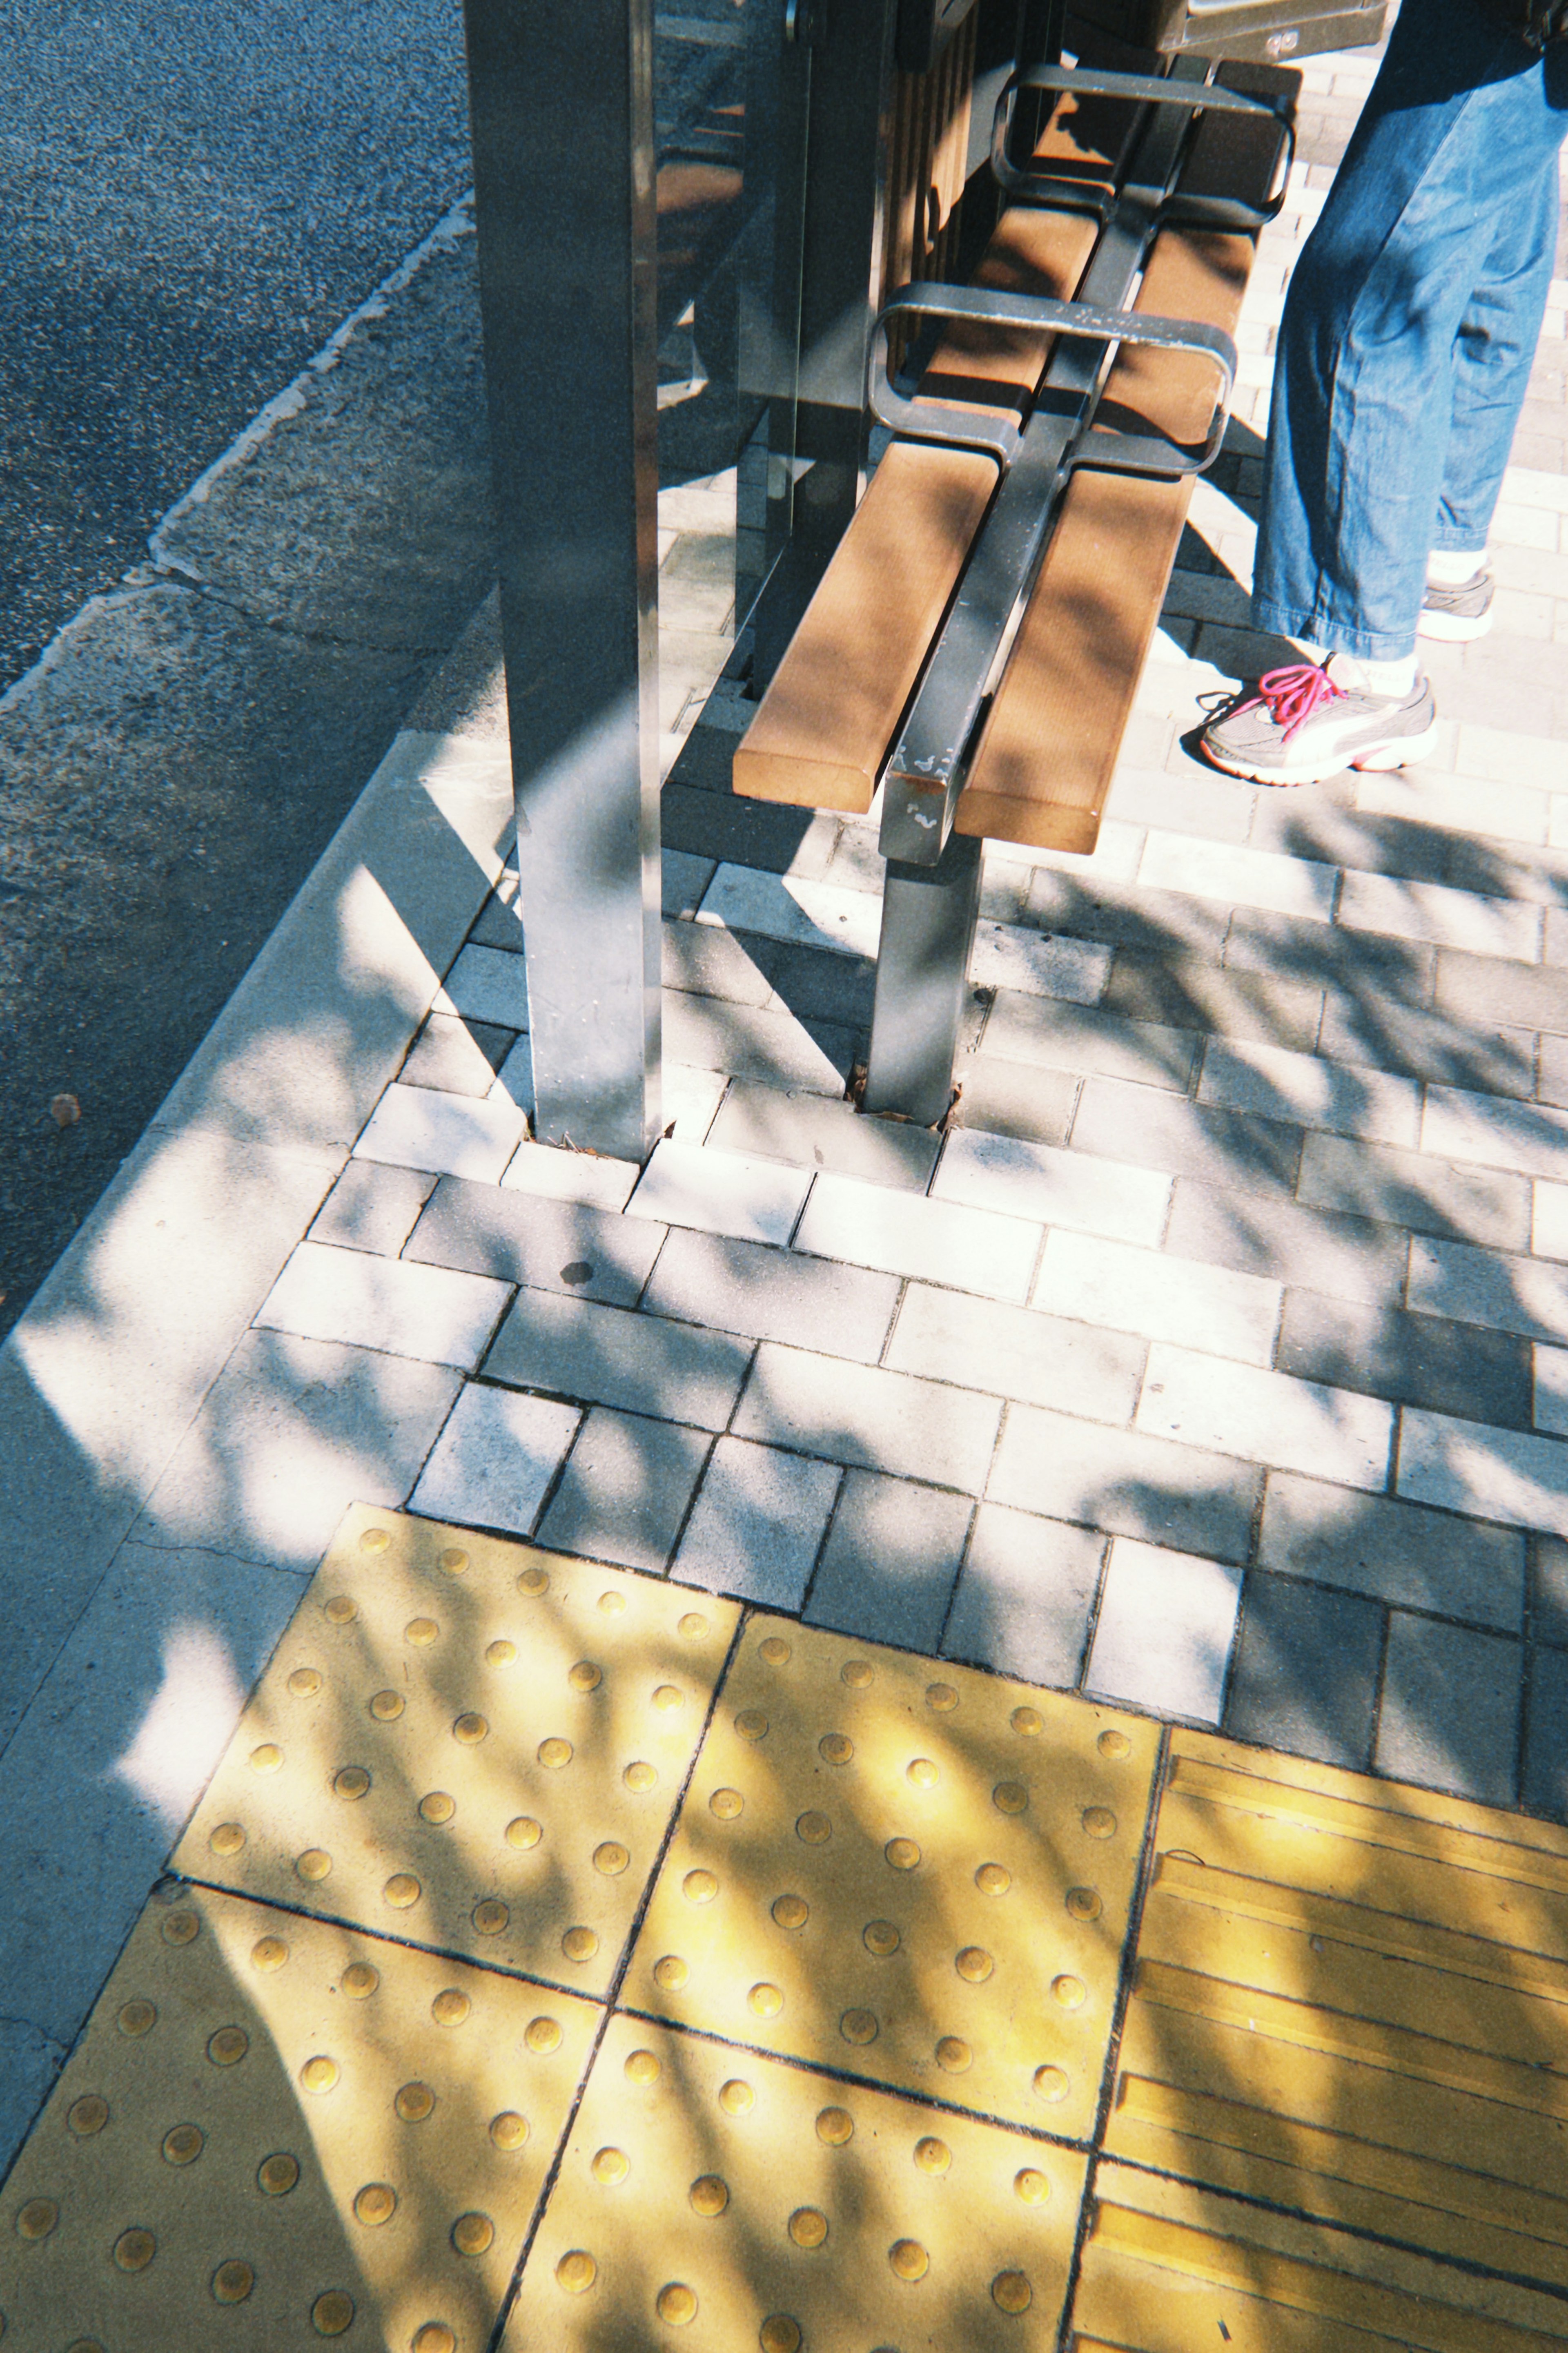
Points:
(993, 707)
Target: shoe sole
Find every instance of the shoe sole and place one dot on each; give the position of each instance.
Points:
(1377, 758)
(1454, 628)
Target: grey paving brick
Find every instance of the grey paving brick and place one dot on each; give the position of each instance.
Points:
(905, 1233)
(1450, 1718)
(720, 1193)
(1545, 1782)
(1527, 1295)
(868, 1418)
(1510, 1475)
(493, 1464)
(1530, 1139)
(549, 1245)
(891, 1555)
(1554, 1084)
(435, 1313)
(1294, 949)
(1025, 1597)
(707, 961)
(606, 1356)
(1273, 1084)
(1549, 1590)
(1195, 993)
(1418, 1042)
(817, 1132)
(1125, 914)
(488, 985)
(1195, 801)
(1015, 1099)
(757, 1524)
(1306, 1671)
(747, 833)
(626, 1488)
(458, 1058)
(1309, 1249)
(816, 985)
(758, 1042)
(774, 1294)
(1163, 1636)
(499, 924)
(372, 1208)
(705, 760)
(1041, 1182)
(1411, 1188)
(1425, 1360)
(1486, 990)
(1083, 1039)
(1017, 1352)
(1264, 1417)
(1125, 1482)
(414, 1127)
(683, 881)
(1223, 1148)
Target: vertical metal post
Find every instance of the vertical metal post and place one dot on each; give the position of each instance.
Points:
(922, 974)
(561, 100)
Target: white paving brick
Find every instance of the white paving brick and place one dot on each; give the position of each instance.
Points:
(1530, 1138)
(1073, 1190)
(555, 1172)
(1167, 1621)
(1143, 1291)
(905, 1233)
(1468, 1285)
(1551, 1375)
(868, 1417)
(720, 1193)
(1006, 955)
(1241, 878)
(514, 1079)
(1432, 911)
(690, 1101)
(786, 907)
(1502, 812)
(416, 1127)
(494, 1463)
(1549, 1219)
(487, 984)
(1492, 1474)
(1268, 1417)
(434, 1312)
(1348, 1099)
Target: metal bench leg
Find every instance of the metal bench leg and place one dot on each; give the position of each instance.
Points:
(922, 972)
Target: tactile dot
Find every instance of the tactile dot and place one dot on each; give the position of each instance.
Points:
(387, 1707)
(1050, 2085)
(923, 1772)
(1028, 1720)
(38, 2219)
(450, 2007)
(708, 2195)
(434, 2336)
(736, 2097)
(639, 1774)
(579, 1944)
(232, 2282)
(555, 1752)
(586, 1676)
(780, 2334)
(611, 1858)
(500, 1653)
(973, 1964)
(694, 1625)
(87, 2115)
(670, 1972)
(1031, 2187)
(751, 1723)
(576, 2272)
(727, 1805)
(543, 2034)
(700, 1887)
(808, 2226)
(941, 1697)
(490, 1917)
(857, 1673)
(314, 1865)
(184, 2145)
(226, 1838)
(1084, 1903)
(414, 2101)
(360, 1981)
(764, 2002)
(454, 1560)
(613, 1604)
(375, 1540)
(134, 2250)
(305, 1682)
(181, 1928)
(333, 2315)
(137, 2019)
(401, 1891)
(438, 1806)
(277, 2174)
(902, 1853)
(1100, 1821)
(774, 1651)
(525, 1832)
(813, 1828)
(642, 2067)
(1113, 1743)
(421, 1633)
(909, 2259)
(858, 2026)
(375, 2203)
(676, 2304)
(228, 2046)
(610, 2166)
(319, 2073)
(836, 1748)
(471, 1729)
(533, 1582)
(509, 2130)
(792, 1911)
(1010, 1798)
(880, 1936)
(1011, 2292)
(954, 2054)
(992, 1879)
(341, 1610)
(1069, 1992)
(351, 1783)
(473, 2235)
(835, 2125)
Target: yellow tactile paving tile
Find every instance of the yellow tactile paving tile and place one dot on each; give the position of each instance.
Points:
(1352, 1997)
(718, 2201)
(468, 1743)
(1170, 2268)
(275, 2130)
(915, 1872)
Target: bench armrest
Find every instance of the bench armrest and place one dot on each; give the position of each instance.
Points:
(945, 421)
(1082, 81)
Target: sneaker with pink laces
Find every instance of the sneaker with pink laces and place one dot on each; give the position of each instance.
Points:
(1299, 728)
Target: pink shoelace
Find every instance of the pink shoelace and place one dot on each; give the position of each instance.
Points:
(1291, 695)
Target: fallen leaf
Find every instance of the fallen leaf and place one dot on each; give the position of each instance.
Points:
(64, 1110)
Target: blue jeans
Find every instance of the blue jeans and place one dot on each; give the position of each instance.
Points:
(1409, 330)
